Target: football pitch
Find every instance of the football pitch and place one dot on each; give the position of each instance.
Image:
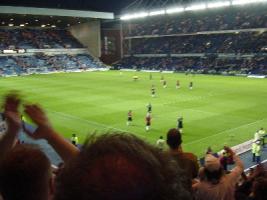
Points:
(219, 110)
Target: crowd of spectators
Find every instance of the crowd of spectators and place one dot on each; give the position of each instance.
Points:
(186, 33)
(237, 43)
(114, 166)
(207, 65)
(26, 38)
(17, 65)
(232, 18)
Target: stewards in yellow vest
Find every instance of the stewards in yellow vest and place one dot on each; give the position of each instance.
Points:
(74, 139)
(258, 152)
(262, 135)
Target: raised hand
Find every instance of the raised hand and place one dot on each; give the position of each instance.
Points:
(45, 131)
(38, 116)
(11, 112)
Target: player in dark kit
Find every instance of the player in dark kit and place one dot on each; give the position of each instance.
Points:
(164, 84)
(153, 91)
(177, 84)
(149, 108)
(148, 121)
(180, 124)
(191, 85)
(130, 118)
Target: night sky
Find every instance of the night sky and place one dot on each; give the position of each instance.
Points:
(96, 5)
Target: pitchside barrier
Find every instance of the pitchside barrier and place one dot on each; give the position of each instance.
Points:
(241, 148)
(257, 76)
(150, 71)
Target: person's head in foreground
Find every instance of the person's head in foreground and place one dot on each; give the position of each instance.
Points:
(25, 173)
(120, 167)
(212, 169)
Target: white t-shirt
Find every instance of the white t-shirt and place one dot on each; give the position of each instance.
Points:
(160, 143)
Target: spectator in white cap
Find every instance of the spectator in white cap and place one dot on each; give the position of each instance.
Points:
(214, 183)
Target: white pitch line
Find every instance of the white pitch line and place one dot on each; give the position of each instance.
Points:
(254, 166)
(92, 122)
(205, 112)
(228, 130)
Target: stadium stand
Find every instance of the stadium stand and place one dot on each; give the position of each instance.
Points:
(18, 38)
(238, 18)
(122, 166)
(41, 63)
(44, 50)
(222, 41)
(205, 64)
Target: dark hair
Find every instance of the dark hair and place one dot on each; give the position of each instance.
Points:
(25, 174)
(174, 139)
(259, 188)
(213, 176)
(119, 167)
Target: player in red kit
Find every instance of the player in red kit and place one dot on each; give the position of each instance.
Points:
(148, 121)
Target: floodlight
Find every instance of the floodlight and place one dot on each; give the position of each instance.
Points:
(196, 7)
(175, 10)
(53, 26)
(43, 25)
(158, 12)
(134, 16)
(243, 2)
(219, 4)
(10, 24)
(21, 25)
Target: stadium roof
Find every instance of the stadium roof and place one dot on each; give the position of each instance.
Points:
(95, 5)
(55, 12)
(47, 17)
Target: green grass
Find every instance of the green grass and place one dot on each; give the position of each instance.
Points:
(219, 110)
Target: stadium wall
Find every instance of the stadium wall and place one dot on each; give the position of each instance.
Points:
(89, 35)
(111, 45)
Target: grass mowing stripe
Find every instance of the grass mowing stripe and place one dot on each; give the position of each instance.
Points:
(225, 131)
(216, 103)
(92, 122)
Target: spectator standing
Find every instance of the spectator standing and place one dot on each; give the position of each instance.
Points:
(187, 161)
(216, 185)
